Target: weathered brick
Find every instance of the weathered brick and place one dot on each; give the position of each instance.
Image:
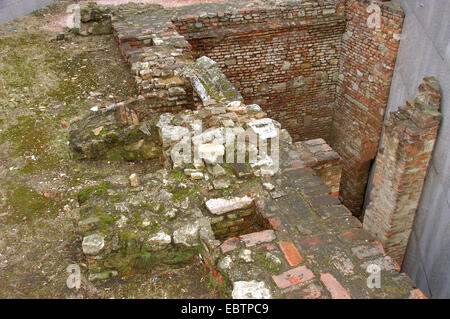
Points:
(366, 251)
(291, 253)
(253, 239)
(336, 290)
(362, 97)
(314, 241)
(293, 277)
(230, 245)
(275, 223)
(324, 200)
(385, 263)
(404, 159)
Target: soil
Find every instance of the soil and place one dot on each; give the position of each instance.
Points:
(45, 85)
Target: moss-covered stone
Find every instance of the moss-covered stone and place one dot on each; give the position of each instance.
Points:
(101, 136)
(91, 191)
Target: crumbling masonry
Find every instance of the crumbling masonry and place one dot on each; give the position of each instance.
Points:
(312, 70)
(402, 164)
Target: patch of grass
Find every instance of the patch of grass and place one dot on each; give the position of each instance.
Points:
(32, 139)
(80, 77)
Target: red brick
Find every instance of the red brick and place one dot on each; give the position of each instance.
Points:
(230, 244)
(293, 277)
(253, 239)
(291, 253)
(336, 290)
(402, 143)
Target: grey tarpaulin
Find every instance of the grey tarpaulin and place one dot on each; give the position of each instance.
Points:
(425, 51)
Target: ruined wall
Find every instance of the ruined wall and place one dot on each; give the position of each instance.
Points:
(367, 63)
(157, 56)
(286, 59)
(402, 164)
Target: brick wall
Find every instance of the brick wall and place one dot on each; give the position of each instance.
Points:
(286, 59)
(367, 63)
(402, 164)
(238, 223)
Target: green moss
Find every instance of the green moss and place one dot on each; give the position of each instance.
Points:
(223, 289)
(228, 170)
(91, 191)
(144, 261)
(155, 226)
(176, 174)
(107, 219)
(117, 198)
(268, 263)
(181, 193)
(174, 256)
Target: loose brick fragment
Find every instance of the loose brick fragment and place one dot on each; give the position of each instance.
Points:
(230, 245)
(275, 223)
(336, 290)
(219, 206)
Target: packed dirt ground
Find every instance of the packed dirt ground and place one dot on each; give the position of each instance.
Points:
(47, 83)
